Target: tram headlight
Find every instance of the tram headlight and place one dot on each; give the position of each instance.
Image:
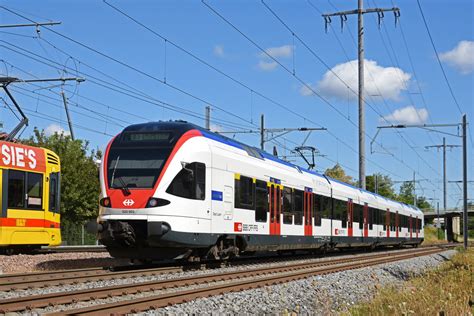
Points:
(105, 202)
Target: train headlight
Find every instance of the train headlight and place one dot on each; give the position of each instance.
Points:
(105, 202)
(154, 202)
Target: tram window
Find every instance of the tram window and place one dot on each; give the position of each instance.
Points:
(317, 209)
(298, 211)
(34, 190)
(190, 182)
(16, 189)
(287, 206)
(53, 193)
(261, 201)
(325, 206)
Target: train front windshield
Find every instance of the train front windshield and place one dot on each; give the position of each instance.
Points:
(136, 160)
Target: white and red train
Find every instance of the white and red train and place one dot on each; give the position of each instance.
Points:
(173, 190)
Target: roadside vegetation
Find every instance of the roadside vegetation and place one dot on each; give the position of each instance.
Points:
(448, 290)
(432, 235)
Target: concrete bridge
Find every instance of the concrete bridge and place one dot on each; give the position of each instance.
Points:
(452, 221)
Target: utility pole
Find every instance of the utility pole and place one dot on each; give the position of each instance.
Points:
(463, 125)
(208, 117)
(262, 132)
(360, 18)
(444, 146)
(414, 188)
(464, 178)
(67, 115)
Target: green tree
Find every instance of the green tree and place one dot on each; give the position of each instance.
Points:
(79, 175)
(407, 194)
(338, 173)
(384, 185)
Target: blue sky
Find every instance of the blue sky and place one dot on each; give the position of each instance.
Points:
(396, 95)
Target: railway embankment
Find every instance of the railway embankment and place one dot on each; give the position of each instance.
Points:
(319, 295)
(447, 290)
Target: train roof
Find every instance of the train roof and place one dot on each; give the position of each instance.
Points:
(183, 126)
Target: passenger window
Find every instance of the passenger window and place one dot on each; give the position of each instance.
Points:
(261, 194)
(287, 206)
(244, 193)
(54, 192)
(16, 189)
(317, 207)
(298, 211)
(190, 182)
(34, 190)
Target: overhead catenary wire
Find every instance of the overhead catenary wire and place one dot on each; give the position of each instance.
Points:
(295, 76)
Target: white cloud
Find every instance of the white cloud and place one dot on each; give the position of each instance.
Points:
(284, 51)
(407, 115)
(219, 50)
(55, 128)
(266, 63)
(306, 91)
(386, 82)
(460, 57)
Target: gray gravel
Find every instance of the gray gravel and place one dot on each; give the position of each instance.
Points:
(327, 294)
(320, 294)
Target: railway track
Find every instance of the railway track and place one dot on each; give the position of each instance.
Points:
(12, 282)
(203, 285)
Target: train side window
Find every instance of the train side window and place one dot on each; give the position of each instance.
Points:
(287, 206)
(16, 189)
(261, 201)
(298, 211)
(190, 182)
(244, 193)
(34, 190)
(54, 192)
(359, 215)
(325, 206)
(382, 219)
(317, 209)
(371, 218)
(340, 211)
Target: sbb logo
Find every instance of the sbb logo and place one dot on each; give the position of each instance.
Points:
(237, 227)
(18, 157)
(128, 202)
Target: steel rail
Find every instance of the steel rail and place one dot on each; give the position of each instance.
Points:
(38, 301)
(279, 275)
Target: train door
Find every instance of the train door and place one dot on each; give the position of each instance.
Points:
(350, 217)
(366, 220)
(411, 226)
(387, 222)
(397, 223)
(274, 199)
(308, 213)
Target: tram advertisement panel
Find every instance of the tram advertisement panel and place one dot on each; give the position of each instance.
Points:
(21, 157)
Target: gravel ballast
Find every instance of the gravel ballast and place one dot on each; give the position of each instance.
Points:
(325, 294)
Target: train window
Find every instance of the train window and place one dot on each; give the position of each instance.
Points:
(34, 191)
(359, 215)
(298, 211)
(317, 209)
(340, 211)
(392, 222)
(190, 182)
(287, 206)
(54, 192)
(244, 193)
(261, 201)
(16, 189)
(324, 203)
(371, 217)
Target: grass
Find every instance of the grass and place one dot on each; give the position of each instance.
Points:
(448, 290)
(431, 236)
